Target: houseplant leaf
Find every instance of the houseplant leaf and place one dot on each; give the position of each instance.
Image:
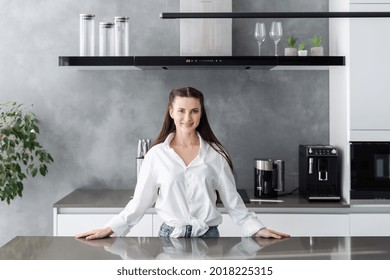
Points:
(20, 151)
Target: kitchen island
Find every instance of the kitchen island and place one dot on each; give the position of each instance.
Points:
(85, 209)
(229, 248)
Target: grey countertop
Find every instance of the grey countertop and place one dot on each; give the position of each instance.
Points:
(119, 198)
(151, 248)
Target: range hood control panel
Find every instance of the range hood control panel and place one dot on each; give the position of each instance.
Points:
(203, 60)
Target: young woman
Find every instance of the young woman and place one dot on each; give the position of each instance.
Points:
(180, 175)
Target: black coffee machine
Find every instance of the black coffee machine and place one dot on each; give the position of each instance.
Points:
(319, 173)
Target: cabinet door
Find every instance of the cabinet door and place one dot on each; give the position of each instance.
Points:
(369, 73)
(157, 222)
(308, 224)
(295, 224)
(370, 224)
(229, 228)
(369, 2)
(72, 224)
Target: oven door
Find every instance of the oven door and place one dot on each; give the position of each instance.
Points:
(370, 170)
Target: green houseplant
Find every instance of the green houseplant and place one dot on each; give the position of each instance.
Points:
(291, 50)
(317, 49)
(20, 152)
(302, 49)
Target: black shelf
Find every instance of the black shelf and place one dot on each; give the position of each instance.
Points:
(308, 62)
(311, 60)
(98, 62)
(200, 15)
(201, 62)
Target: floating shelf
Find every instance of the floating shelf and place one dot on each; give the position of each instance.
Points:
(200, 15)
(98, 62)
(308, 62)
(201, 62)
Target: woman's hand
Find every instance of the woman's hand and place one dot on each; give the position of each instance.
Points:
(269, 233)
(107, 242)
(96, 234)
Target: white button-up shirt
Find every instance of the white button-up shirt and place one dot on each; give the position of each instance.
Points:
(185, 195)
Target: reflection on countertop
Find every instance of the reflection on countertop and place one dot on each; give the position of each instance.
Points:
(156, 248)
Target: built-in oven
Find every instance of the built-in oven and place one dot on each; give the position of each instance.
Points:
(370, 170)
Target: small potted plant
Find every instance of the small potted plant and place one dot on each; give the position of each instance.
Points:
(20, 151)
(301, 49)
(317, 49)
(291, 50)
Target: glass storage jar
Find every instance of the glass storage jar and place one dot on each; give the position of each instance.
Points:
(106, 39)
(121, 36)
(87, 35)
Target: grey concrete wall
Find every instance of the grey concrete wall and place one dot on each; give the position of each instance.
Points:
(90, 120)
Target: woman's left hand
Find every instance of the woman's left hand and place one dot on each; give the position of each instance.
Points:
(269, 233)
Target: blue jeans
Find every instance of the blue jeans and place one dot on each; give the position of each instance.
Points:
(165, 231)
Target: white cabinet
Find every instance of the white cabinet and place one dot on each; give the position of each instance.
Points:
(72, 224)
(295, 224)
(157, 222)
(369, 59)
(366, 2)
(358, 93)
(308, 224)
(370, 224)
(300, 224)
(228, 228)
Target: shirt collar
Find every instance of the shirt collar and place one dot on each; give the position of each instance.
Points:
(203, 145)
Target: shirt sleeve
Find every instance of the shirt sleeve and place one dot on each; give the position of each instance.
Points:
(145, 196)
(233, 203)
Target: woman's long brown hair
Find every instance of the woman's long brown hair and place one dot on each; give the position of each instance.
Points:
(203, 128)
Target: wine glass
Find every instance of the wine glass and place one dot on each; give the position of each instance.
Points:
(276, 33)
(260, 34)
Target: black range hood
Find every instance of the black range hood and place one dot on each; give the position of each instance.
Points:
(98, 62)
(201, 62)
(206, 62)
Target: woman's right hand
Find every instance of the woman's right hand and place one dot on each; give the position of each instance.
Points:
(96, 233)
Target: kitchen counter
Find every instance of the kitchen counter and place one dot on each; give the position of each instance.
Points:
(151, 248)
(106, 198)
(84, 209)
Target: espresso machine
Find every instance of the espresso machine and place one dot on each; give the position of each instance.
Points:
(319, 173)
(269, 178)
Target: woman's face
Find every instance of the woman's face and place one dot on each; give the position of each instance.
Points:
(186, 113)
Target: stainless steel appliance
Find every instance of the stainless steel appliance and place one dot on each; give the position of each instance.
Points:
(319, 172)
(269, 177)
(370, 170)
(206, 37)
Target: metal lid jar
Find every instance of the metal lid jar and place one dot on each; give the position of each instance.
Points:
(121, 36)
(87, 35)
(106, 39)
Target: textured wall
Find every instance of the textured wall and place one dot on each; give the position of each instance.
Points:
(91, 120)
